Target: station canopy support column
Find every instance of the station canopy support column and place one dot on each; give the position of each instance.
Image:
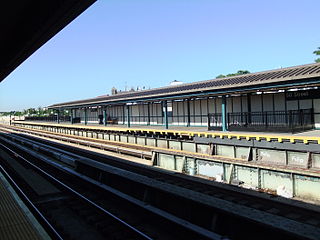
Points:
(224, 114)
(58, 116)
(128, 115)
(71, 116)
(148, 120)
(85, 116)
(188, 113)
(105, 120)
(165, 114)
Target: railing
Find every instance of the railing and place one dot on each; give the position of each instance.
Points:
(145, 119)
(286, 121)
(52, 118)
(215, 121)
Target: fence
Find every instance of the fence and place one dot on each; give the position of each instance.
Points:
(52, 118)
(280, 121)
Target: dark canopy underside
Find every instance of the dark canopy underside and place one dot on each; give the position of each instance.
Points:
(26, 25)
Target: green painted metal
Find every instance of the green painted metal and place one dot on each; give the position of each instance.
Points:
(141, 140)
(58, 116)
(297, 159)
(189, 147)
(295, 185)
(128, 116)
(203, 148)
(151, 142)
(85, 116)
(71, 115)
(225, 150)
(175, 145)
(224, 114)
(188, 113)
(105, 117)
(165, 114)
(162, 143)
(315, 160)
(242, 152)
(271, 156)
(149, 116)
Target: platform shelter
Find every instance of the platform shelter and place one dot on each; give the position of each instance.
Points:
(281, 100)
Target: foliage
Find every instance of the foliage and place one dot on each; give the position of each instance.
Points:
(240, 72)
(317, 52)
(39, 112)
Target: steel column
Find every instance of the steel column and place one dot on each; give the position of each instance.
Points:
(58, 116)
(105, 116)
(249, 107)
(188, 113)
(224, 114)
(71, 116)
(85, 116)
(148, 121)
(165, 114)
(128, 114)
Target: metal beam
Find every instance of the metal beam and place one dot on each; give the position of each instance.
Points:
(85, 116)
(58, 116)
(148, 121)
(128, 115)
(105, 116)
(224, 114)
(165, 114)
(188, 113)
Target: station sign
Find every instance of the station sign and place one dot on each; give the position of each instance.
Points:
(304, 94)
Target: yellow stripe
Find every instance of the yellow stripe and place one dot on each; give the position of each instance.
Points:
(247, 136)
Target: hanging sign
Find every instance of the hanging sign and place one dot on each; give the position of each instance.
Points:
(304, 94)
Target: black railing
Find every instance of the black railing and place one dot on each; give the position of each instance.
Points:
(276, 121)
(144, 119)
(215, 121)
(53, 118)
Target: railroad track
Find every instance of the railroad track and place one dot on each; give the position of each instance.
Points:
(66, 209)
(70, 203)
(118, 147)
(298, 214)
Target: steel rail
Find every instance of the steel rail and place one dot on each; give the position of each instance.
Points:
(79, 194)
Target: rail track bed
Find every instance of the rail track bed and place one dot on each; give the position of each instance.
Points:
(207, 207)
(77, 209)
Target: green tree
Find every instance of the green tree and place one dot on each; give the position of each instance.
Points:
(240, 72)
(317, 52)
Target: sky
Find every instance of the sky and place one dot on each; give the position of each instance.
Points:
(146, 43)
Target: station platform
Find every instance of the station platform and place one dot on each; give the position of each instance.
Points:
(16, 221)
(301, 137)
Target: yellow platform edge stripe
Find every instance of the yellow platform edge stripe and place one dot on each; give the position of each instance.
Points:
(279, 138)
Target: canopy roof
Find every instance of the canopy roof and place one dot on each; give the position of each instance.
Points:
(298, 75)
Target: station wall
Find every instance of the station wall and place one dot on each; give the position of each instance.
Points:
(199, 108)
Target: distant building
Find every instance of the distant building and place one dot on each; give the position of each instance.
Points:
(175, 82)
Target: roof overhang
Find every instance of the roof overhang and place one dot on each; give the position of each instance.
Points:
(27, 25)
(313, 82)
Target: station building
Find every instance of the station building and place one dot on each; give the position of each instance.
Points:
(281, 100)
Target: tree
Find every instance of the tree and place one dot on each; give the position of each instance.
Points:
(240, 72)
(317, 52)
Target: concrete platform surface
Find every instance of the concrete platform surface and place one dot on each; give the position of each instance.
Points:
(16, 221)
(312, 135)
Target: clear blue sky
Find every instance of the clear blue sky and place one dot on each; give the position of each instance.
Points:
(150, 43)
